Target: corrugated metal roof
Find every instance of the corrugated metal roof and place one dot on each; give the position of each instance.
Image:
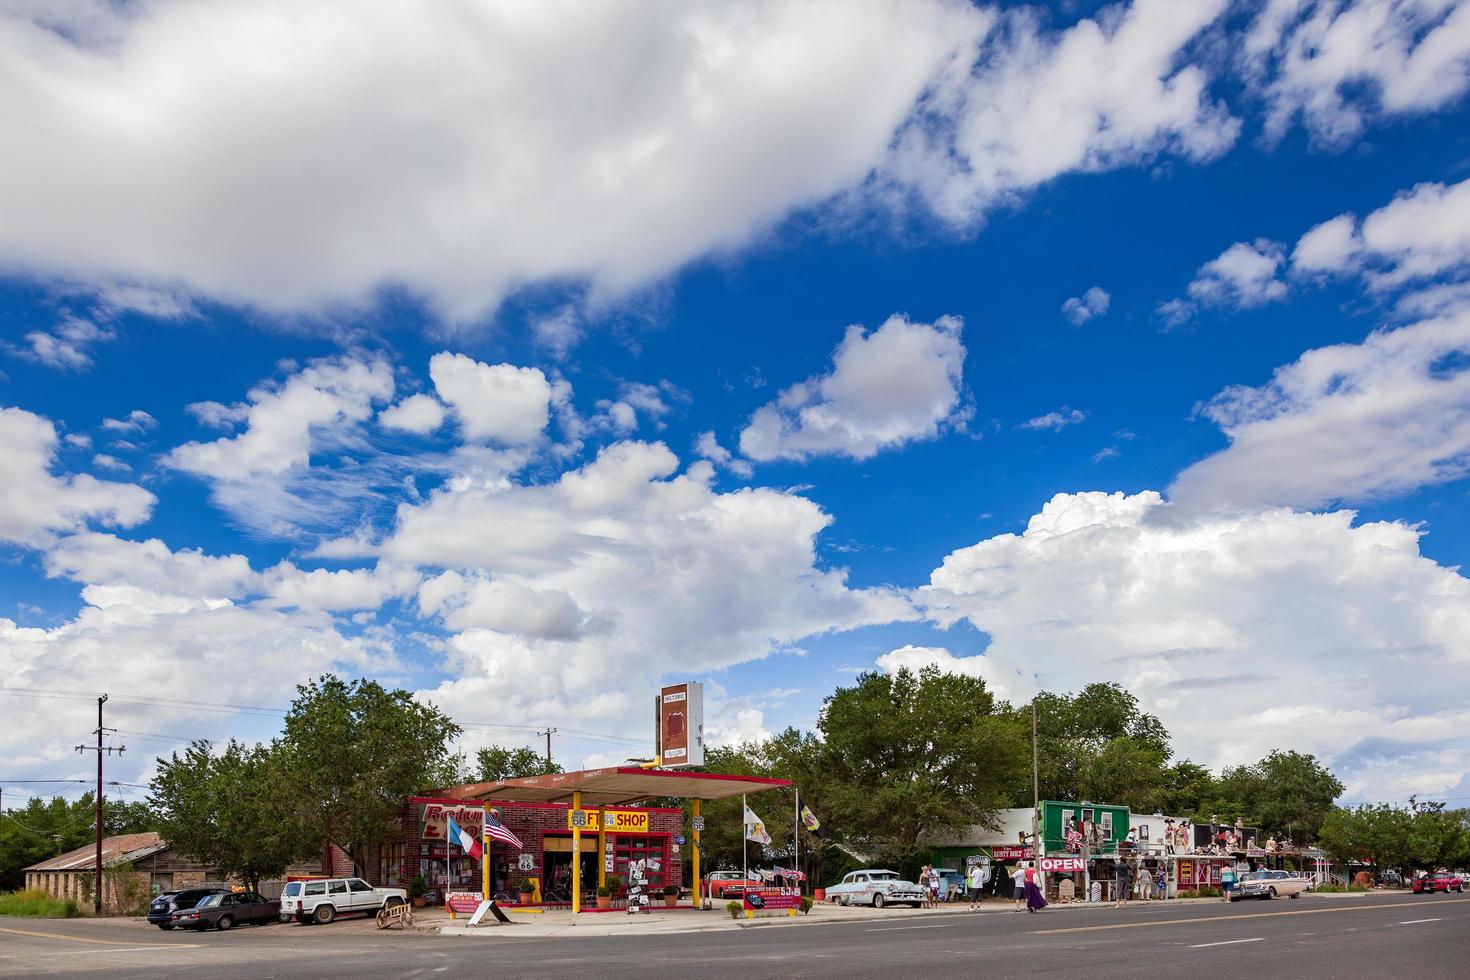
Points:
(115, 850)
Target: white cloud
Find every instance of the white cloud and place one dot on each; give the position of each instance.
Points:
(1337, 63)
(1329, 247)
(34, 503)
(1242, 277)
(588, 589)
(420, 414)
(1336, 634)
(899, 384)
(287, 586)
(494, 402)
(915, 659)
(1055, 421)
(1106, 453)
(685, 128)
(1093, 303)
(135, 421)
(708, 447)
(106, 462)
(67, 346)
(559, 332)
(1344, 423)
(1104, 93)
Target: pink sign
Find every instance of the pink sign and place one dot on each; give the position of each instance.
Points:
(1061, 864)
(464, 903)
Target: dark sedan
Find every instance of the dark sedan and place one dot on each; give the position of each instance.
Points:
(161, 910)
(227, 911)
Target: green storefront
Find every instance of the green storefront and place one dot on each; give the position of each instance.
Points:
(1102, 826)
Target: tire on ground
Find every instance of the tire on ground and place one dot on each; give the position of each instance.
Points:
(324, 914)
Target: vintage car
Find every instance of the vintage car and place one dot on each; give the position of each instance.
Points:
(1440, 881)
(727, 884)
(1270, 884)
(875, 887)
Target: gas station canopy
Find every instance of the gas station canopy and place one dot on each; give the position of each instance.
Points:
(616, 786)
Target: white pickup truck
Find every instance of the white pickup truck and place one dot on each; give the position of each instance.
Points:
(323, 900)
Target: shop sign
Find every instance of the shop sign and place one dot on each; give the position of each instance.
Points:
(679, 720)
(767, 899)
(471, 818)
(1067, 863)
(463, 903)
(1010, 852)
(613, 821)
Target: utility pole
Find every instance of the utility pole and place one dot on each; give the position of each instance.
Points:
(120, 749)
(548, 733)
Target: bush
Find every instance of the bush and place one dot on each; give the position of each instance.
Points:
(1205, 892)
(1338, 889)
(734, 908)
(671, 890)
(806, 904)
(603, 891)
(418, 887)
(36, 904)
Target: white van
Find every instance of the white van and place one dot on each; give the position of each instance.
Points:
(323, 900)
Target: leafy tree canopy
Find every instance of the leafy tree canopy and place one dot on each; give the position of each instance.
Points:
(498, 762)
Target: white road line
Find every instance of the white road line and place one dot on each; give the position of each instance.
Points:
(903, 928)
(1411, 922)
(1230, 942)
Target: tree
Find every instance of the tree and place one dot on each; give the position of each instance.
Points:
(230, 810)
(908, 755)
(1377, 835)
(498, 762)
(45, 828)
(1438, 838)
(1286, 793)
(1096, 745)
(354, 750)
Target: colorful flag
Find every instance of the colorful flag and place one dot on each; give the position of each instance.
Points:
(810, 822)
(755, 828)
(495, 830)
(465, 839)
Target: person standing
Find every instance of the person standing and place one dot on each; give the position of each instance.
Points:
(1122, 881)
(1035, 901)
(1145, 883)
(1018, 886)
(1227, 881)
(976, 884)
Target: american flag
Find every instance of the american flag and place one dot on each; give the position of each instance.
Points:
(495, 830)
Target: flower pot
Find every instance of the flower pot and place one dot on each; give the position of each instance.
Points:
(671, 900)
(526, 897)
(604, 901)
(418, 902)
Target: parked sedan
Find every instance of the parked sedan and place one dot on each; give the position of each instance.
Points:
(876, 887)
(161, 910)
(1270, 884)
(227, 911)
(1440, 881)
(722, 884)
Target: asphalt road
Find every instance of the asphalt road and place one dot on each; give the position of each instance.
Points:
(1319, 936)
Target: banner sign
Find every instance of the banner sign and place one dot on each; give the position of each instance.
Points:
(1010, 852)
(770, 899)
(463, 903)
(612, 821)
(436, 821)
(1068, 863)
(679, 717)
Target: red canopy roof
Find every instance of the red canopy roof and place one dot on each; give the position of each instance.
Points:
(615, 786)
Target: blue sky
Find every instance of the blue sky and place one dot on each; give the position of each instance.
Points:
(529, 391)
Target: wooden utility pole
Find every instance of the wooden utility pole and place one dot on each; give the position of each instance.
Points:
(120, 749)
(548, 733)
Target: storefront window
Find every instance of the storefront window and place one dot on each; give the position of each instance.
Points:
(650, 848)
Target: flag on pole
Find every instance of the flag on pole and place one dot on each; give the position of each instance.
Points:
(755, 828)
(810, 822)
(495, 830)
(465, 839)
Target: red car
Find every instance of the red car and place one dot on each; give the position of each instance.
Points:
(1440, 881)
(727, 884)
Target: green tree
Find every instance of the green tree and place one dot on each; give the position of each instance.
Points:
(498, 762)
(1096, 745)
(45, 828)
(230, 810)
(1286, 793)
(1373, 834)
(353, 750)
(1438, 838)
(909, 755)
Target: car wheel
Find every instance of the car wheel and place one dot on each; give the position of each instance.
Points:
(1296, 895)
(325, 914)
(842, 900)
(224, 923)
(1271, 893)
(877, 900)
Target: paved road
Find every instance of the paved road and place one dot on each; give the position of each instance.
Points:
(1319, 936)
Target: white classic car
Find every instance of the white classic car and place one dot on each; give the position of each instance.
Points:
(877, 888)
(1269, 884)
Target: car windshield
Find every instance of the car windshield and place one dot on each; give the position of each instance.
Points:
(209, 901)
(884, 876)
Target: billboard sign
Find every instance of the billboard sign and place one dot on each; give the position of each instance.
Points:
(436, 821)
(680, 717)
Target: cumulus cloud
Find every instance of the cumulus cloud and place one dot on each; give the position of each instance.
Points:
(1337, 64)
(419, 414)
(135, 421)
(585, 590)
(67, 346)
(1242, 277)
(708, 447)
(898, 384)
(1055, 421)
(1093, 303)
(498, 403)
(1347, 422)
(1336, 632)
(35, 503)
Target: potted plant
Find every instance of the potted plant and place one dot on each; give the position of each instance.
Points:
(734, 908)
(416, 890)
(806, 904)
(527, 891)
(613, 884)
(604, 897)
(671, 895)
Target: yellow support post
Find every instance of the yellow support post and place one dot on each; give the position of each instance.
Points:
(695, 814)
(485, 846)
(576, 856)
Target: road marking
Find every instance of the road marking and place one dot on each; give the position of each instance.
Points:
(1229, 942)
(1411, 922)
(902, 928)
(1236, 918)
(84, 939)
